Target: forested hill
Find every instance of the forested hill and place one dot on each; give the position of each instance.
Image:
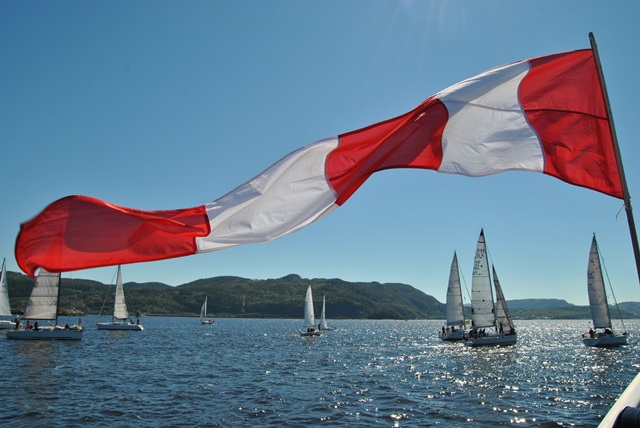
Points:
(231, 296)
(240, 297)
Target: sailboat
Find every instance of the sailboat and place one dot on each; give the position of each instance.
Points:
(323, 320)
(455, 326)
(43, 306)
(203, 313)
(484, 314)
(309, 318)
(120, 319)
(603, 336)
(5, 307)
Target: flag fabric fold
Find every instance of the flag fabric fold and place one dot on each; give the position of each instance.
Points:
(545, 115)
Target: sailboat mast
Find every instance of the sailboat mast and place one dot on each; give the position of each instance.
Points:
(614, 137)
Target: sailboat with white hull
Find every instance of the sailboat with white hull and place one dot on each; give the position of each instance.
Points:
(323, 319)
(120, 319)
(603, 335)
(5, 306)
(43, 306)
(455, 326)
(309, 318)
(484, 313)
(203, 313)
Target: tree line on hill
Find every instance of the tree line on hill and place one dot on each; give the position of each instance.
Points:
(231, 296)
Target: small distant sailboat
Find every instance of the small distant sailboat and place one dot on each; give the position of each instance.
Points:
(43, 306)
(5, 306)
(309, 318)
(455, 327)
(203, 313)
(483, 312)
(603, 336)
(323, 320)
(120, 319)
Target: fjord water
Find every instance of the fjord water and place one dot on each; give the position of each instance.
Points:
(260, 372)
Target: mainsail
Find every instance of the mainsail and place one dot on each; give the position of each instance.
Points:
(323, 320)
(455, 310)
(203, 309)
(595, 286)
(120, 307)
(43, 303)
(482, 310)
(5, 307)
(309, 318)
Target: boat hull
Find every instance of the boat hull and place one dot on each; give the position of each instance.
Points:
(57, 333)
(6, 325)
(119, 326)
(453, 335)
(310, 333)
(606, 341)
(493, 341)
(208, 322)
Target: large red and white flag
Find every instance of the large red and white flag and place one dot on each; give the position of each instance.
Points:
(544, 115)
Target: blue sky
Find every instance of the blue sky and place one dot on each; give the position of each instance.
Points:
(171, 104)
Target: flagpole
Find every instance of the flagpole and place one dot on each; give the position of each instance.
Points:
(625, 190)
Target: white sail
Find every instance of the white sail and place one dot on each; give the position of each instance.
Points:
(43, 303)
(203, 309)
(597, 294)
(502, 311)
(482, 309)
(5, 307)
(309, 319)
(455, 310)
(120, 306)
(323, 320)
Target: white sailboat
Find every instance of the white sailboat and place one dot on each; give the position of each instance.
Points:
(43, 306)
(603, 335)
(455, 326)
(5, 306)
(323, 320)
(120, 319)
(309, 318)
(484, 313)
(203, 313)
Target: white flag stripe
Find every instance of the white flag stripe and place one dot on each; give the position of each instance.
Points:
(284, 198)
(487, 131)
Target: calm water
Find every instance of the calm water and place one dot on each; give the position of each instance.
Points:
(245, 373)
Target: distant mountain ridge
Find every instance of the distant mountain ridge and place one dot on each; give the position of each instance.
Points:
(534, 304)
(233, 296)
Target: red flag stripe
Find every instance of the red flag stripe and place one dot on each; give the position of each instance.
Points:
(563, 101)
(79, 232)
